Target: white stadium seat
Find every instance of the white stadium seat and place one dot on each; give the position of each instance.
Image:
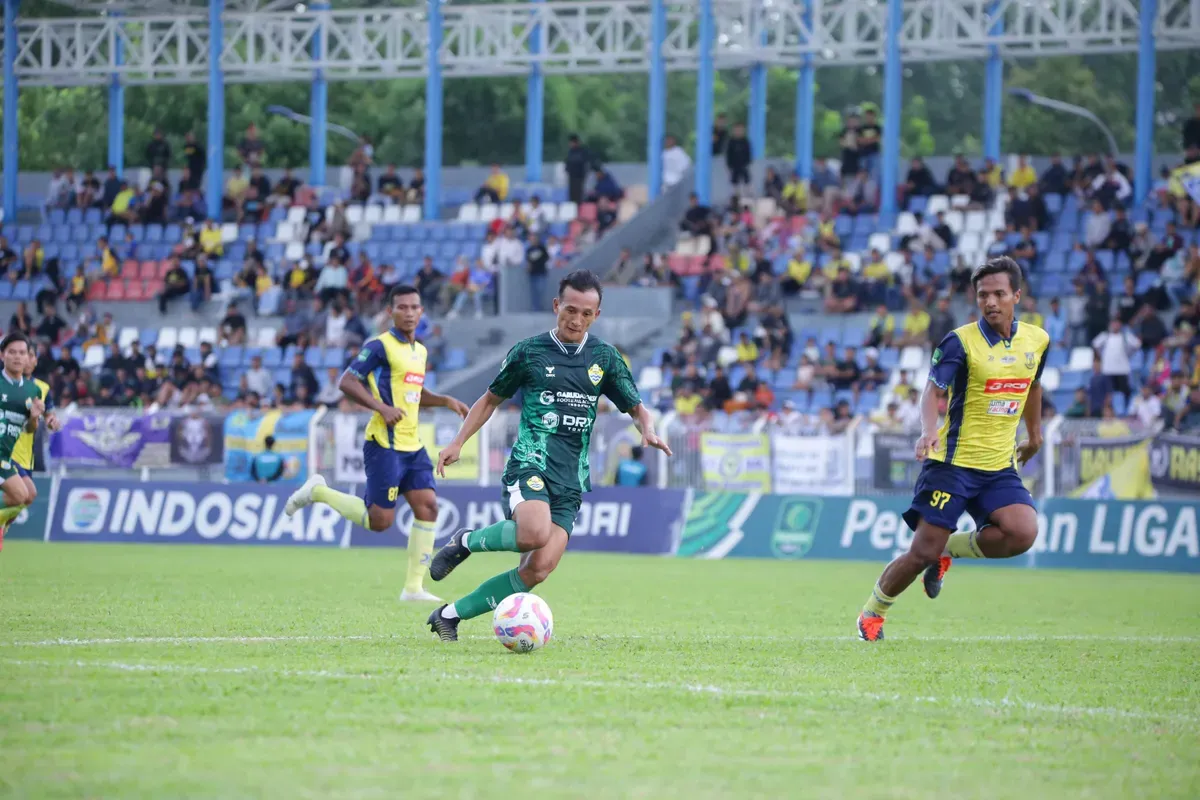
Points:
(391, 215)
(727, 356)
(468, 212)
(855, 261)
(285, 232)
(294, 251)
(765, 208)
(685, 246)
(373, 214)
(229, 232)
(912, 358)
(362, 232)
(488, 212)
(906, 223)
(969, 242)
(354, 214)
(264, 337)
(937, 202)
(167, 339)
(956, 221)
(879, 241)
(412, 213)
(1050, 379)
(93, 357)
(126, 337)
(1081, 359)
(567, 212)
(507, 210)
(976, 221)
(189, 337)
(651, 378)
(960, 201)
(297, 215)
(209, 335)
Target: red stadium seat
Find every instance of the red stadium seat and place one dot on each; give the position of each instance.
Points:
(149, 270)
(677, 263)
(697, 265)
(154, 289)
(116, 290)
(129, 269)
(717, 262)
(164, 267)
(135, 290)
(587, 212)
(96, 291)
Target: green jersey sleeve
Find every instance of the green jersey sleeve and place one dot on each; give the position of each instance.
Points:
(618, 383)
(512, 373)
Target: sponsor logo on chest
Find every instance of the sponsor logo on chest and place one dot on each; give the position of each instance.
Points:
(1006, 385)
(1004, 408)
(415, 378)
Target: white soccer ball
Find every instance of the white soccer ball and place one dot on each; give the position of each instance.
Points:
(523, 622)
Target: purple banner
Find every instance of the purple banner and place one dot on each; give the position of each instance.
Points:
(114, 439)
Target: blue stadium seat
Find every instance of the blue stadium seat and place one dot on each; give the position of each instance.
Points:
(272, 358)
(138, 232)
(456, 358)
(333, 357)
(61, 233)
(1057, 357)
(93, 216)
(246, 232)
(22, 290)
(438, 233)
(282, 375)
(231, 356)
(249, 353)
(264, 231)
(154, 233)
(6, 290)
(57, 216)
(418, 233)
(431, 381)
(24, 234)
(173, 234)
(313, 356)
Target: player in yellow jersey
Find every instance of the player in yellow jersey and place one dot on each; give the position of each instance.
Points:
(388, 377)
(990, 373)
(22, 454)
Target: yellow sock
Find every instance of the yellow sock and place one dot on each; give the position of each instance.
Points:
(420, 549)
(963, 545)
(878, 603)
(9, 513)
(350, 507)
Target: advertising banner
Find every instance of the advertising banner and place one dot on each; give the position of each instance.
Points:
(895, 464)
(1071, 533)
(812, 465)
(349, 434)
(199, 513)
(1175, 463)
(31, 524)
(113, 440)
(736, 462)
(197, 439)
(246, 433)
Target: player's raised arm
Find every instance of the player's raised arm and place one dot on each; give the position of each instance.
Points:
(354, 382)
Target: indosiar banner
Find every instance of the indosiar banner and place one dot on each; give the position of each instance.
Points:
(246, 434)
(736, 461)
(31, 523)
(1071, 533)
(618, 520)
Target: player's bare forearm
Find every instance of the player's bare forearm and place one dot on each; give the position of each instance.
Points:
(642, 420)
(931, 400)
(354, 389)
(1033, 413)
(433, 399)
(479, 414)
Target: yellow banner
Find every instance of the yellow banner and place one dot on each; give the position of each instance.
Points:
(1185, 180)
(1119, 472)
(435, 437)
(736, 462)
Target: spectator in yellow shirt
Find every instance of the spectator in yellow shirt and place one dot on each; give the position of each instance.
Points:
(77, 295)
(883, 328)
(799, 270)
(122, 209)
(688, 402)
(835, 264)
(992, 173)
(876, 270)
(34, 258)
(795, 196)
(210, 239)
(747, 350)
(916, 327)
(1023, 176)
(110, 267)
(1030, 313)
(495, 187)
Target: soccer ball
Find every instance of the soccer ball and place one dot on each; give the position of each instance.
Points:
(523, 622)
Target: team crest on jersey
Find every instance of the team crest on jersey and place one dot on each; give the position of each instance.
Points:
(535, 482)
(595, 374)
(1029, 362)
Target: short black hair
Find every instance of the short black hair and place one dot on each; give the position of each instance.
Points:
(1000, 265)
(269, 442)
(581, 280)
(400, 290)
(12, 339)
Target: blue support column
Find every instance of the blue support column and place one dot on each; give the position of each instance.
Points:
(10, 110)
(535, 114)
(656, 118)
(704, 105)
(216, 110)
(805, 104)
(433, 115)
(993, 89)
(1143, 153)
(318, 131)
(758, 107)
(892, 88)
(116, 110)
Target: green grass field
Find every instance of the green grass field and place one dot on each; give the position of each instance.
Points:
(170, 671)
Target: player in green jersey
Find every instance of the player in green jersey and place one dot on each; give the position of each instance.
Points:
(561, 374)
(20, 408)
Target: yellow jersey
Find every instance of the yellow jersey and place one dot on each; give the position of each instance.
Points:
(989, 379)
(393, 368)
(22, 452)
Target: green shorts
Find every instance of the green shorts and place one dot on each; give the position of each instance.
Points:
(531, 485)
(8, 469)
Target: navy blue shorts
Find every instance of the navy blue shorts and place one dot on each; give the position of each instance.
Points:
(24, 473)
(944, 492)
(391, 473)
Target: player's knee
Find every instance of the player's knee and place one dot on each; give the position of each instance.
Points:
(535, 573)
(925, 552)
(380, 519)
(533, 536)
(425, 510)
(18, 496)
(1021, 538)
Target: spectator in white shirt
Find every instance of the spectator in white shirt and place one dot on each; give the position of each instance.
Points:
(539, 216)
(333, 282)
(258, 379)
(1097, 226)
(512, 251)
(1114, 347)
(676, 162)
(1146, 407)
(490, 253)
(330, 394)
(1112, 186)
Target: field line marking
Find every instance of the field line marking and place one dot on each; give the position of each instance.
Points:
(1006, 704)
(186, 640)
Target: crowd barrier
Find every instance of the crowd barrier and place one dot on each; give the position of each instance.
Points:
(666, 522)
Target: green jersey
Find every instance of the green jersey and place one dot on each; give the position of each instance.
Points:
(16, 397)
(561, 382)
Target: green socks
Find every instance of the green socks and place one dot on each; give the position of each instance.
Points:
(499, 537)
(964, 545)
(350, 507)
(878, 603)
(489, 593)
(9, 513)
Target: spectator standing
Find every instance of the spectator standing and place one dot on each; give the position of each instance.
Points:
(631, 471)
(738, 158)
(537, 261)
(941, 321)
(720, 135)
(1055, 180)
(848, 141)
(676, 162)
(1097, 227)
(576, 165)
(428, 283)
(1114, 347)
(158, 151)
(267, 466)
(251, 148)
(869, 137)
(195, 157)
